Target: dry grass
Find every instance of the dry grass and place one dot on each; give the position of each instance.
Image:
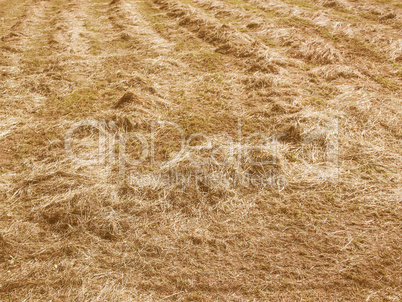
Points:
(302, 94)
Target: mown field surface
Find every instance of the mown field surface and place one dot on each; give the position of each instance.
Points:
(285, 68)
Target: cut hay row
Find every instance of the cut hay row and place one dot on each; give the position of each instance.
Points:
(226, 39)
(278, 31)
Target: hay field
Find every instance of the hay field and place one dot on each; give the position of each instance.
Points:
(199, 150)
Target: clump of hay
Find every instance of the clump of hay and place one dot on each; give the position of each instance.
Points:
(335, 71)
(318, 52)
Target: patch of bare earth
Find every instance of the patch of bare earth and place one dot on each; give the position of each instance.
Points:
(288, 186)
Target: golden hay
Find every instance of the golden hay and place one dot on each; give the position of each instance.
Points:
(256, 155)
